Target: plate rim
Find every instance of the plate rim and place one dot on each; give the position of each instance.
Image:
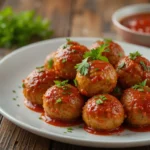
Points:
(57, 136)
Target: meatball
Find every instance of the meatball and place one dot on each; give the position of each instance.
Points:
(101, 78)
(133, 71)
(49, 61)
(66, 57)
(136, 103)
(36, 84)
(113, 52)
(63, 103)
(103, 112)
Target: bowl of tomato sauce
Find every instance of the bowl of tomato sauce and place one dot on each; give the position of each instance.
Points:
(133, 23)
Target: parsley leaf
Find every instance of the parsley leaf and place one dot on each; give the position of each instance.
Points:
(140, 86)
(23, 85)
(108, 41)
(19, 29)
(144, 66)
(101, 99)
(121, 65)
(64, 60)
(58, 100)
(75, 82)
(50, 63)
(96, 54)
(83, 67)
(134, 55)
(40, 69)
(60, 83)
(69, 129)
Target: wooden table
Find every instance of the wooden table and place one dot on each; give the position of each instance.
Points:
(82, 18)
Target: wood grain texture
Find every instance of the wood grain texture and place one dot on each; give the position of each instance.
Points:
(69, 18)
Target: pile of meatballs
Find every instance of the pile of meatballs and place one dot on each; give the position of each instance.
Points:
(99, 83)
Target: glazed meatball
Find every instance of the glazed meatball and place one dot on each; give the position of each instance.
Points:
(101, 78)
(132, 70)
(49, 61)
(113, 52)
(137, 106)
(36, 84)
(63, 103)
(103, 112)
(66, 57)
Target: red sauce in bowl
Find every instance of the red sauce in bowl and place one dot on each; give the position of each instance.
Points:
(138, 22)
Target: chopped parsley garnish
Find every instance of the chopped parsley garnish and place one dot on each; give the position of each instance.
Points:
(68, 40)
(40, 69)
(50, 63)
(120, 54)
(18, 105)
(64, 60)
(73, 51)
(146, 68)
(83, 67)
(107, 40)
(59, 100)
(140, 86)
(96, 69)
(100, 99)
(96, 54)
(23, 85)
(121, 65)
(14, 99)
(134, 55)
(65, 46)
(75, 82)
(69, 129)
(60, 83)
(13, 91)
(40, 118)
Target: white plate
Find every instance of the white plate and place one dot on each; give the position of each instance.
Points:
(17, 65)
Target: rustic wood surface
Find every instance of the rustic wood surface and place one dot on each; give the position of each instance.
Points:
(82, 18)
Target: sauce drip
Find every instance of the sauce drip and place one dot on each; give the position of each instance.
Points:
(101, 132)
(60, 123)
(33, 107)
(138, 22)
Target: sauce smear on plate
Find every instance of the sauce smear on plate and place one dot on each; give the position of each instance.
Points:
(137, 22)
(34, 107)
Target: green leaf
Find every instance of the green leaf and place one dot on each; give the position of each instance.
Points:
(100, 99)
(143, 65)
(75, 82)
(69, 129)
(60, 83)
(50, 63)
(83, 67)
(64, 60)
(58, 100)
(140, 86)
(134, 55)
(121, 65)
(96, 54)
(23, 85)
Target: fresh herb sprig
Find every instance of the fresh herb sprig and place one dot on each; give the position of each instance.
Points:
(83, 67)
(60, 83)
(96, 54)
(19, 29)
(134, 55)
(140, 86)
(100, 99)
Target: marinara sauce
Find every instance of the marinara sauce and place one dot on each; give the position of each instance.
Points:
(138, 22)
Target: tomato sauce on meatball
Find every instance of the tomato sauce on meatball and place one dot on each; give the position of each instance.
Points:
(103, 112)
(66, 57)
(101, 78)
(63, 103)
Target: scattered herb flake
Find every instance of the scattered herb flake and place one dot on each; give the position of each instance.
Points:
(18, 105)
(65, 46)
(134, 55)
(40, 118)
(68, 40)
(121, 65)
(143, 65)
(50, 63)
(83, 67)
(14, 99)
(75, 82)
(69, 129)
(64, 60)
(140, 86)
(23, 85)
(40, 67)
(58, 100)
(13, 91)
(60, 83)
(101, 99)
(107, 40)
(73, 51)
(120, 54)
